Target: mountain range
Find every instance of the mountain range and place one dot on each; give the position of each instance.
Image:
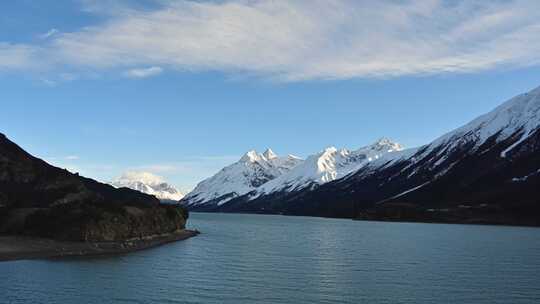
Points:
(485, 171)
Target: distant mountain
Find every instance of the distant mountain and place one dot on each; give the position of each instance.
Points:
(42, 200)
(326, 166)
(485, 171)
(258, 174)
(251, 171)
(148, 183)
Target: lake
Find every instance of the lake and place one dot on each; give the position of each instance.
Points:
(242, 258)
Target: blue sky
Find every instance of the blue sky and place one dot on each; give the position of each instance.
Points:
(182, 88)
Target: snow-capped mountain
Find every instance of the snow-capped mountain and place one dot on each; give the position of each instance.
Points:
(515, 121)
(487, 168)
(328, 165)
(481, 161)
(519, 115)
(148, 183)
(250, 172)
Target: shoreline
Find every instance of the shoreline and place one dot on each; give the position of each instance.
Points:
(475, 222)
(26, 248)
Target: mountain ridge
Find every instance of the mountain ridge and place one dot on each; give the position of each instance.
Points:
(491, 162)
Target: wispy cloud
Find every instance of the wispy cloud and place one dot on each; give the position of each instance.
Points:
(48, 82)
(63, 158)
(143, 73)
(163, 168)
(49, 33)
(18, 57)
(305, 40)
(197, 165)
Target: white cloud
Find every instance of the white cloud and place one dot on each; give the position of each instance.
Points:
(49, 33)
(63, 161)
(55, 80)
(48, 82)
(303, 40)
(18, 56)
(144, 72)
(68, 76)
(146, 177)
(162, 168)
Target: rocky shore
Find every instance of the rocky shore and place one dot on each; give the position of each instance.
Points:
(22, 248)
(47, 211)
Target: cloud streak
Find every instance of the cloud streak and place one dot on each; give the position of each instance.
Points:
(15, 57)
(301, 40)
(49, 33)
(144, 72)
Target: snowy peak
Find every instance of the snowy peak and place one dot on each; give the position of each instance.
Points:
(328, 165)
(148, 183)
(253, 156)
(250, 157)
(386, 145)
(269, 154)
(251, 171)
(376, 150)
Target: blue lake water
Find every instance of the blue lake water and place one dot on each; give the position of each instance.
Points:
(279, 259)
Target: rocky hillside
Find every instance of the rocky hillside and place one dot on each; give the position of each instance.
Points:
(42, 200)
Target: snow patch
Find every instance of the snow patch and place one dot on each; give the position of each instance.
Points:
(526, 177)
(404, 192)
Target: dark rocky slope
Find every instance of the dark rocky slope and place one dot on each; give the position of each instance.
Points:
(38, 199)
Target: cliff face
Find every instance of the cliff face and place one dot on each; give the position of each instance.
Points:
(41, 200)
(90, 222)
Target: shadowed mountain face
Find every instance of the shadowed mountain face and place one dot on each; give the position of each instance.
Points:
(487, 171)
(39, 199)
